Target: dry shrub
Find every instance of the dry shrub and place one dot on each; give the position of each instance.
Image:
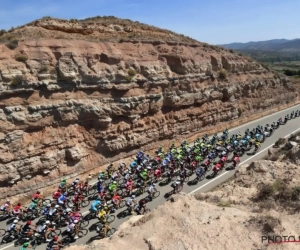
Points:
(270, 223)
(223, 74)
(21, 58)
(224, 203)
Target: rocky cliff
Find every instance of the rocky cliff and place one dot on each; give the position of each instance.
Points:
(76, 94)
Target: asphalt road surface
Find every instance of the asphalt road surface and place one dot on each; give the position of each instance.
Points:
(291, 127)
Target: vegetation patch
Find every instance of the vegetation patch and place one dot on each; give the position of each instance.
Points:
(21, 58)
(223, 74)
(12, 44)
(17, 80)
(43, 69)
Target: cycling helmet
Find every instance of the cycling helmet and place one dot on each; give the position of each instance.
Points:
(114, 182)
(105, 208)
(15, 221)
(132, 196)
(38, 192)
(19, 204)
(56, 206)
(47, 222)
(28, 222)
(64, 179)
(68, 210)
(153, 185)
(7, 201)
(48, 205)
(75, 221)
(26, 244)
(98, 198)
(65, 193)
(77, 178)
(55, 237)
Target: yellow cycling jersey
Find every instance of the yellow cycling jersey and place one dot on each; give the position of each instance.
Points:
(102, 213)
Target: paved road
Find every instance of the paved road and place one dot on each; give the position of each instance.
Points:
(207, 184)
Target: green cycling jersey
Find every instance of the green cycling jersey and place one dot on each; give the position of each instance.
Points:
(179, 157)
(196, 150)
(198, 158)
(112, 187)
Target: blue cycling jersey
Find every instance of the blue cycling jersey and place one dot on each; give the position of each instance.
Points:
(199, 171)
(133, 164)
(62, 198)
(95, 204)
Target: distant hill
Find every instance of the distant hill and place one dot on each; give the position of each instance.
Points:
(269, 45)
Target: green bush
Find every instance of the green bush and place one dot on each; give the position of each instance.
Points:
(12, 44)
(223, 74)
(21, 58)
(2, 32)
(131, 72)
(240, 112)
(17, 80)
(43, 69)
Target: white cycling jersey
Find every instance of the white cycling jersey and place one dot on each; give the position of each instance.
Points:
(70, 227)
(151, 189)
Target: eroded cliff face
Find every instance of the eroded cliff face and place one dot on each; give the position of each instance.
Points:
(71, 105)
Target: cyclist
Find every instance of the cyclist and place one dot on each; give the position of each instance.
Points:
(116, 200)
(26, 229)
(62, 200)
(46, 210)
(112, 188)
(151, 190)
(6, 206)
(57, 194)
(199, 172)
(141, 206)
(45, 229)
(33, 205)
(257, 144)
(130, 203)
(63, 183)
(25, 246)
(102, 214)
(37, 197)
(133, 164)
(95, 205)
(144, 174)
(101, 175)
(54, 212)
(17, 210)
(78, 197)
(129, 185)
(99, 186)
(72, 228)
(157, 173)
(12, 228)
(217, 167)
(54, 244)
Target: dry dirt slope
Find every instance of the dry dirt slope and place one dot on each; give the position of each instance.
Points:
(262, 200)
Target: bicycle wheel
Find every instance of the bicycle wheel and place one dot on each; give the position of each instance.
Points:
(156, 194)
(110, 218)
(45, 202)
(120, 192)
(110, 232)
(56, 232)
(122, 203)
(2, 232)
(70, 204)
(179, 188)
(202, 177)
(82, 232)
(85, 203)
(83, 224)
(92, 191)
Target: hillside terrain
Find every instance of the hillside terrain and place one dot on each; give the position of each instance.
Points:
(75, 95)
(263, 200)
(269, 45)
